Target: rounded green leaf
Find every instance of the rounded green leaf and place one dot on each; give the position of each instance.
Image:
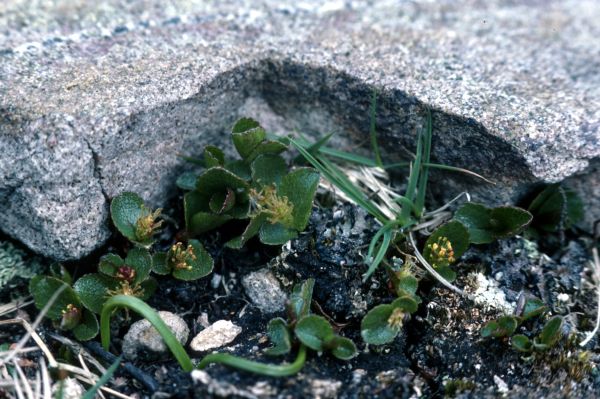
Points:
(375, 328)
(187, 181)
(109, 264)
(342, 348)
(446, 272)
(458, 236)
(503, 327)
(406, 303)
(219, 179)
(140, 260)
(300, 187)
(507, 221)
(314, 332)
(268, 169)
(551, 332)
(407, 284)
(551, 206)
(160, 264)
(222, 201)
(88, 328)
(476, 217)
(213, 156)
(93, 290)
(533, 307)
(301, 297)
(202, 222)
(280, 337)
(247, 135)
(125, 210)
(267, 147)
(42, 288)
(251, 230)
(521, 343)
(276, 234)
(239, 168)
(200, 267)
(148, 286)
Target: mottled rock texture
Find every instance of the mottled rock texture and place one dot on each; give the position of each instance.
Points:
(99, 97)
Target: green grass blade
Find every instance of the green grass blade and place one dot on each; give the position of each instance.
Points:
(424, 174)
(140, 307)
(270, 370)
(91, 393)
(372, 131)
(413, 178)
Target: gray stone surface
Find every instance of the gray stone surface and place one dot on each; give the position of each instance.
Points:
(99, 97)
(142, 339)
(264, 290)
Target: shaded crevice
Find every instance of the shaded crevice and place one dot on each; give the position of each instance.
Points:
(96, 168)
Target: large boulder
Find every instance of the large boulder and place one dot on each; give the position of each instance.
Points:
(100, 97)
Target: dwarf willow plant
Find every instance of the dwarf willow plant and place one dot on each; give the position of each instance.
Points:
(258, 188)
(311, 331)
(507, 325)
(78, 304)
(472, 224)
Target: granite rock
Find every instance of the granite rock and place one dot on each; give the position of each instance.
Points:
(218, 334)
(100, 97)
(264, 290)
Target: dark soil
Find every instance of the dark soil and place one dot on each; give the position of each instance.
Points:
(440, 352)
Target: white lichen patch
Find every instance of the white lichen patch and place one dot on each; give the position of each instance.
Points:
(488, 295)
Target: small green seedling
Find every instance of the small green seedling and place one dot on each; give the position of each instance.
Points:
(486, 225)
(382, 324)
(185, 263)
(257, 188)
(505, 326)
(315, 332)
(556, 208)
(67, 311)
(134, 220)
(129, 276)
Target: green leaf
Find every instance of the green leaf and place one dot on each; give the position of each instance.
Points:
(202, 222)
(458, 236)
(200, 267)
(503, 327)
(247, 135)
(251, 230)
(148, 286)
(533, 307)
(552, 205)
(342, 348)
(268, 169)
(219, 179)
(406, 303)
(222, 201)
(267, 147)
(160, 264)
(42, 288)
(276, 234)
(187, 181)
(375, 328)
(300, 187)
(60, 272)
(125, 210)
(109, 264)
(446, 272)
(486, 225)
(213, 156)
(521, 343)
(280, 337)
(551, 332)
(88, 328)
(140, 260)
(301, 297)
(314, 332)
(93, 290)
(239, 168)
(407, 284)
(193, 203)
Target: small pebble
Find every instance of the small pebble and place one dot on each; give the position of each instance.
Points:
(216, 335)
(143, 339)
